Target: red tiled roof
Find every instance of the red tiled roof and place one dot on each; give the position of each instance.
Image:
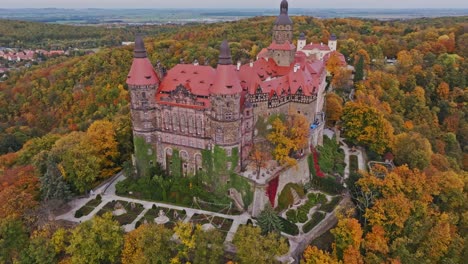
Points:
(316, 46)
(142, 73)
(198, 78)
(284, 46)
(226, 80)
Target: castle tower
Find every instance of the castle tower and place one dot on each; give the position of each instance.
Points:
(301, 42)
(282, 50)
(142, 82)
(332, 42)
(225, 99)
(283, 28)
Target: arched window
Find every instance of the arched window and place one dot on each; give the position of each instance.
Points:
(167, 120)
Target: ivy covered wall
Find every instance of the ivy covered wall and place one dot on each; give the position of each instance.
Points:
(145, 155)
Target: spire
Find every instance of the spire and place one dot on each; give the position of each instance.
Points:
(333, 37)
(283, 18)
(302, 36)
(284, 7)
(225, 54)
(139, 51)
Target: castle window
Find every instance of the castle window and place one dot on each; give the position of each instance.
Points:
(228, 116)
(199, 126)
(175, 123)
(219, 135)
(229, 152)
(191, 124)
(143, 95)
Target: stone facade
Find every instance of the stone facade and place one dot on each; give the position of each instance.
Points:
(191, 108)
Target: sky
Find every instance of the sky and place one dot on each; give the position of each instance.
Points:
(232, 3)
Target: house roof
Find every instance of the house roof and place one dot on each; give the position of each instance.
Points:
(313, 46)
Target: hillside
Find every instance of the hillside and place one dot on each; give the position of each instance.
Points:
(65, 127)
(34, 35)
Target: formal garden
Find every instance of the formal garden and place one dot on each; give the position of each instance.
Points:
(124, 212)
(88, 207)
(205, 190)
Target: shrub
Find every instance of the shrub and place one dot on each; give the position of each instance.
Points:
(137, 224)
(292, 215)
(78, 213)
(288, 227)
(286, 198)
(316, 218)
(328, 185)
(353, 164)
(154, 207)
(302, 216)
(331, 205)
(98, 197)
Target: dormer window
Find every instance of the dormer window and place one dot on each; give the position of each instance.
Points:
(229, 86)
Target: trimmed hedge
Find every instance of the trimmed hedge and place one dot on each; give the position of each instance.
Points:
(286, 198)
(317, 217)
(288, 227)
(331, 205)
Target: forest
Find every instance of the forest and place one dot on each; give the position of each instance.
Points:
(34, 35)
(63, 120)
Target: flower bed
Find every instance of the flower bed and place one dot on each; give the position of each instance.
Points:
(126, 218)
(88, 207)
(330, 206)
(300, 215)
(316, 218)
(288, 227)
(173, 215)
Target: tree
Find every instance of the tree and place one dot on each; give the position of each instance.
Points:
(283, 144)
(366, 125)
(412, 149)
(313, 255)
(269, 221)
(19, 191)
(348, 236)
(289, 137)
(334, 108)
(13, 238)
(252, 247)
(342, 79)
(53, 185)
(96, 241)
(259, 157)
(359, 70)
(149, 243)
(209, 246)
(101, 135)
(40, 250)
(333, 63)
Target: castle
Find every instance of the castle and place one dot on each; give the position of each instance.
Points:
(194, 107)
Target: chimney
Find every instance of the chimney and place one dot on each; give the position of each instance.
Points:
(251, 63)
(321, 43)
(195, 62)
(296, 67)
(238, 65)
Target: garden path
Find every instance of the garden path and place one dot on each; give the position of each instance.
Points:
(108, 195)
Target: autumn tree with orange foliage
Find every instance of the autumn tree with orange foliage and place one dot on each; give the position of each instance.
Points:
(289, 137)
(19, 191)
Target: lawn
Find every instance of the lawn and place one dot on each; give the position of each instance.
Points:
(222, 224)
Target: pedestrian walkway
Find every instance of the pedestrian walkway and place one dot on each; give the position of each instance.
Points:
(109, 196)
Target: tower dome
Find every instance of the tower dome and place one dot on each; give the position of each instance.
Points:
(283, 18)
(284, 7)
